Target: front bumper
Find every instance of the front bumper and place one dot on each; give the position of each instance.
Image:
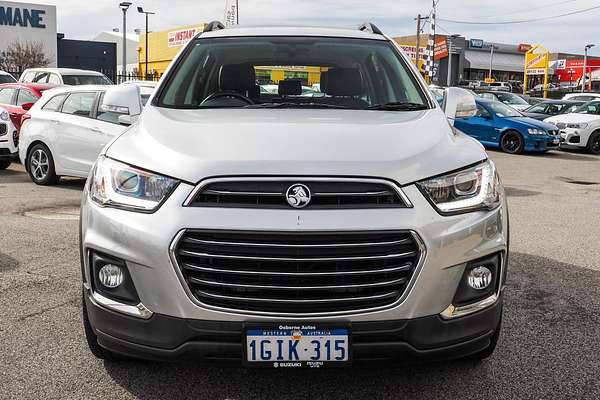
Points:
(9, 142)
(542, 143)
(164, 338)
(572, 138)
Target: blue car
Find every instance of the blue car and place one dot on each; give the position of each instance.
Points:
(500, 126)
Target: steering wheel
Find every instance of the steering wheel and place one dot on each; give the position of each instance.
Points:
(234, 95)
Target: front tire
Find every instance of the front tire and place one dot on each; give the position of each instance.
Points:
(4, 164)
(593, 145)
(40, 165)
(512, 142)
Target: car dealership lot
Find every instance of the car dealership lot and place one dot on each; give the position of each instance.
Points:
(548, 347)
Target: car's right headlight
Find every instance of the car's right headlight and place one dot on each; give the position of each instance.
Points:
(471, 189)
(118, 185)
(582, 125)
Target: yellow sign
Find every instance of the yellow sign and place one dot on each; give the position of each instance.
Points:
(489, 80)
(536, 63)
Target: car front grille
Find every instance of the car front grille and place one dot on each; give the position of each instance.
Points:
(3, 129)
(553, 132)
(272, 193)
(297, 273)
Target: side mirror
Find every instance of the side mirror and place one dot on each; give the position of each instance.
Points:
(26, 106)
(124, 100)
(459, 103)
(127, 119)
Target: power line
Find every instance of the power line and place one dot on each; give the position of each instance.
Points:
(520, 21)
(547, 6)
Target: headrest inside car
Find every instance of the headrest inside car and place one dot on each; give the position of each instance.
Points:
(341, 82)
(237, 77)
(290, 87)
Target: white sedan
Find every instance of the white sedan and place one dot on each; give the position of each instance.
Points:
(68, 127)
(9, 140)
(581, 128)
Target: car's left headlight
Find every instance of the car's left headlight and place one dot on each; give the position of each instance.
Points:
(472, 189)
(118, 185)
(4, 116)
(533, 131)
(577, 126)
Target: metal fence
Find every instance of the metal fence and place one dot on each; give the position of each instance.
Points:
(135, 77)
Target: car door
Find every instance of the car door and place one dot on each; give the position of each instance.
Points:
(23, 96)
(77, 138)
(7, 101)
(480, 126)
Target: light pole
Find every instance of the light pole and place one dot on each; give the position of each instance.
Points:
(124, 6)
(141, 11)
(587, 47)
(449, 79)
(491, 60)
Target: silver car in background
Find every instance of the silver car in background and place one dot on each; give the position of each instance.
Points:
(279, 230)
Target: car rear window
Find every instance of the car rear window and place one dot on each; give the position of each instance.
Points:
(75, 80)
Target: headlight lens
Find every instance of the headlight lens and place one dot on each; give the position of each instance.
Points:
(535, 131)
(474, 188)
(115, 184)
(577, 126)
(4, 116)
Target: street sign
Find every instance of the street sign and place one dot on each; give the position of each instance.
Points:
(536, 63)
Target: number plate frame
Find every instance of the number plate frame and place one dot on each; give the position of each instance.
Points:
(275, 326)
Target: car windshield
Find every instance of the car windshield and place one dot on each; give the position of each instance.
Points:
(509, 98)
(292, 72)
(503, 111)
(592, 107)
(86, 80)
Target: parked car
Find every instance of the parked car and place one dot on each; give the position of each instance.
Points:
(147, 88)
(581, 96)
(537, 89)
(500, 126)
(64, 76)
(8, 140)
(66, 130)
(581, 128)
(530, 99)
(548, 108)
(500, 87)
(234, 214)
(509, 99)
(5, 77)
(18, 98)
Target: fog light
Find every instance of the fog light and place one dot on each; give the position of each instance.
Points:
(479, 278)
(110, 276)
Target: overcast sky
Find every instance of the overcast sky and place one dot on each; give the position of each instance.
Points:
(81, 19)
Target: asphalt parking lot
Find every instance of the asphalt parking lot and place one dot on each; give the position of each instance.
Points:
(549, 346)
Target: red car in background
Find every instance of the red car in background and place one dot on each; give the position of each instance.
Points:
(17, 98)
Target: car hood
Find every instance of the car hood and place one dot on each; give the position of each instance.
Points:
(195, 144)
(532, 123)
(572, 118)
(519, 107)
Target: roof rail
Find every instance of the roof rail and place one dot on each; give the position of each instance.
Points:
(370, 27)
(214, 26)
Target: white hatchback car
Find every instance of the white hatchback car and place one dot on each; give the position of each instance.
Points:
(581, 128)
(67, 129)
(64, 76)
(9, 140)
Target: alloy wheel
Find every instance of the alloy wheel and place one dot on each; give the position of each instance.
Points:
(511, 143)
(595, 145)
(39, 164)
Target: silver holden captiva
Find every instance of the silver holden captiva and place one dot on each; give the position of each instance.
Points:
(293, 197)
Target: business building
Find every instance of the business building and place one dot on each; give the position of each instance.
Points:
(90, 55)
(33, 23)
(163, 46)
(132, 48)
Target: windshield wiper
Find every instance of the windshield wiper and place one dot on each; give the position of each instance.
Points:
(398, 106)
(294, 105)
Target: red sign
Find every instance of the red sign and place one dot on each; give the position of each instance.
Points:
(524, 48)
(179, 38)
(440, 49)
(573, 69)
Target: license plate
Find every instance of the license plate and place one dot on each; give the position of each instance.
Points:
(301, 346)
(556, 140)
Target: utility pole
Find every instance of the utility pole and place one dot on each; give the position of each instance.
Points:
(587, 47)
(491, 60)
(419, 20)
(124, 6)
(450, 39)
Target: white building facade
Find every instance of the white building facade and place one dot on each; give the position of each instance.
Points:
(26, 22)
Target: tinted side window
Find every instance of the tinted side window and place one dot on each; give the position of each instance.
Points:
(6, 96)
(41, 77)
(80, 104)
(54, 103)
(25, 96)
(28, 76)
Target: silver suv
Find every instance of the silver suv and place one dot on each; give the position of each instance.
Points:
(335, 225)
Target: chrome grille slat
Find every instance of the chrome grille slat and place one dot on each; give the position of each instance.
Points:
(332, 300)
(270, 287)
(296, 273)
(402, 268)
(238, 257)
